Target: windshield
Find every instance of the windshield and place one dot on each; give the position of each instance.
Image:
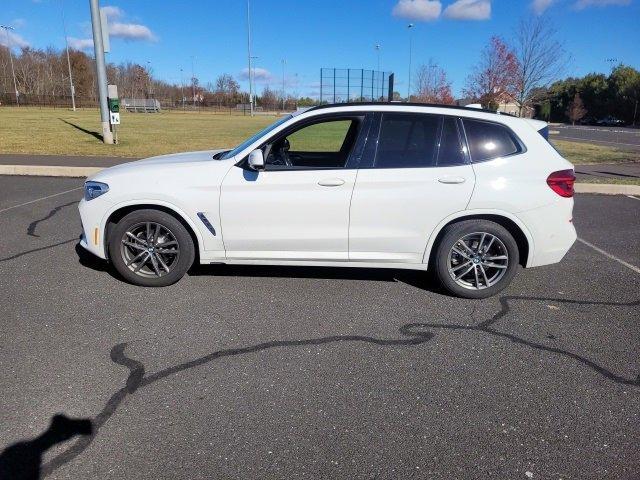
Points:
(255, 137)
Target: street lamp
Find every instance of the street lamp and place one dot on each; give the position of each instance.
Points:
(283, 93)
(13, 72)
(182, 87)
(193, 83)
(410, 26)
(249, 58)
(66, 43)
(378, 52)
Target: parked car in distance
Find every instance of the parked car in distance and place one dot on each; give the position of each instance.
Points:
(610, 121)
(471, 194)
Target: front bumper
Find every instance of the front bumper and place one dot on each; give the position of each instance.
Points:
(92, 215)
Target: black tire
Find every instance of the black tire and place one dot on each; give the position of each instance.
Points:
(172, 229)
(456, 231)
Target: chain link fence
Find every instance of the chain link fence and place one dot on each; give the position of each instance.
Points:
(340, 85)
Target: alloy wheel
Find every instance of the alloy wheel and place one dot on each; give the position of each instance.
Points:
(478, 260)
(149, 249)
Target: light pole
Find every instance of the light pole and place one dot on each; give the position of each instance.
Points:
(378, 52)
(283, 93)
(182, 87)
(66, 43)
(13, 72)
(149, 79)
(101, 71)
(410, 26)
(193, 84)
(249, 57)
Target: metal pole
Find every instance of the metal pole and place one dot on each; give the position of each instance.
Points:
(193, 84)
(13, 72)
(283, 93)
(378, 51)
(66, 43)
(249, 55)
(410, 26)
(182, 87)
(101, 71)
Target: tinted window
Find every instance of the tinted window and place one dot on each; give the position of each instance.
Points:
(407, 140)
(489, 140)
(451, 151)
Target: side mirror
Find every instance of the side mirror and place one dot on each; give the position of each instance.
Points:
(256, 160)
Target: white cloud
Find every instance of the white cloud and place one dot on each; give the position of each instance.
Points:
(539, 6)
(580, 4)
(18, 23)
(112, 13)
(469, 10)
(80, 43)
(418, 10)
(131, 31)
(259, 74)
(8, 37)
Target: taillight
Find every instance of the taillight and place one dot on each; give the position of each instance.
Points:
(562, 182)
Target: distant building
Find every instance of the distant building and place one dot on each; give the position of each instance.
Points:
(506, 105)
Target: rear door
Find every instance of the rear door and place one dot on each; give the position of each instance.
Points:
(417, 174)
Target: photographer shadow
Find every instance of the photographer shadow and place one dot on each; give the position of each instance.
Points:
(23, 460)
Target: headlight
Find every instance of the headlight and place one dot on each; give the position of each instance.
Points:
(94, 190)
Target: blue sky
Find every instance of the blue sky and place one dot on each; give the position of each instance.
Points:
(310, 34)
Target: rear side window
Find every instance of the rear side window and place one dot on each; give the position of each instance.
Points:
(450, 150)
(407, 140)
(489, 140)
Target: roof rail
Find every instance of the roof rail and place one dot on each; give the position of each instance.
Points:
(406, 104)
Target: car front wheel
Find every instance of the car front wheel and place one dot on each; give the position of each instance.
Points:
(476, 258)
(151, 248)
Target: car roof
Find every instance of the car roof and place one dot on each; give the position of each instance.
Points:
(402, 105)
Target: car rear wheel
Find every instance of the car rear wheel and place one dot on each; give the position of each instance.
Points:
(476, 258)
(151, 248)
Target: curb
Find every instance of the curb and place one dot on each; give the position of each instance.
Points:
(607, 188)
(78, 172)
(48, 171)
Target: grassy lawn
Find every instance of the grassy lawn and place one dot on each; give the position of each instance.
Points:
(586, 153)
(63, 132)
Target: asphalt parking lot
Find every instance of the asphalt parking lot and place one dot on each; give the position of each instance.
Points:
(259, 372)
(624, 138)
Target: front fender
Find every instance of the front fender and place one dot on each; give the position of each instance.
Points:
(142, 202)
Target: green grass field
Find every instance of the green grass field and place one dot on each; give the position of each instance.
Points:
(63, 132)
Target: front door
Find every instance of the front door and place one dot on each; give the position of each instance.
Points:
(297, 208)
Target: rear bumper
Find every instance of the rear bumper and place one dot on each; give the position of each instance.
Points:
(552, 230)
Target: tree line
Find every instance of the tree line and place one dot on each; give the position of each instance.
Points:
(523, 71)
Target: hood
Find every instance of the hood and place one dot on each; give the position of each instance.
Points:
(164, 163)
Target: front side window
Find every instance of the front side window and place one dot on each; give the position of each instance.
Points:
(322, 144)
(489, 140)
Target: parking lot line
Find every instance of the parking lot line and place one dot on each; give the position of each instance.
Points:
(41, 198)
(631, 196)
(608, 255)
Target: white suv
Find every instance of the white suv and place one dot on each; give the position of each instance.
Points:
(469, 193)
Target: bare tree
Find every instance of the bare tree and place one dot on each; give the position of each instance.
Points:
(494, 77)
(541, 58)
(433, 85)
(575, 110)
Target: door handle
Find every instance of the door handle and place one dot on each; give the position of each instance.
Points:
(452, 179)
(331, 182)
